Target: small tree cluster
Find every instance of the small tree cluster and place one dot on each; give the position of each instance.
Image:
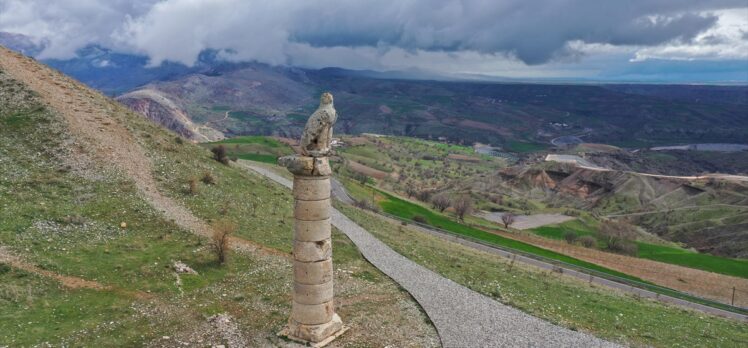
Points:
(440, 202)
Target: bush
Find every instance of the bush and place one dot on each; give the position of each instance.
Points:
(623, 246)
(419, 219)
(588, 241)
(570, 237)
(366, 204)
(192, 187)
(208, 179)
(219, 154)
(221, 239)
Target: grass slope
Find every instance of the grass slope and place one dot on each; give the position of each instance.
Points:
(63, 216)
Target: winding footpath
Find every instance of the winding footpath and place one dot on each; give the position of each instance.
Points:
(462, 317)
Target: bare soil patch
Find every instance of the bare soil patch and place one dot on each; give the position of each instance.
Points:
(524, 222)
(366, 170)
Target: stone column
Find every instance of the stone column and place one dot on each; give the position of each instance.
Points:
(313, 318)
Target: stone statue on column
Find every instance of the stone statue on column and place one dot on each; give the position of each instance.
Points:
(313, 319)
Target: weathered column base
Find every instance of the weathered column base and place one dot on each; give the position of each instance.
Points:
(314, 335)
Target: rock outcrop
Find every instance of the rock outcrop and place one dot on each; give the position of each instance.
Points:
(163, 111)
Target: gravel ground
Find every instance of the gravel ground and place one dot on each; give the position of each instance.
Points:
(463, 318)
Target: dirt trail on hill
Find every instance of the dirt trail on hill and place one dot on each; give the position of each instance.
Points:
(89, 117)
(67, 281)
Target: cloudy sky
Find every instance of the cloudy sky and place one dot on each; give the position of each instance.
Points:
(647, 40)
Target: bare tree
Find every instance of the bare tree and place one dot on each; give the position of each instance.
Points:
(463, 205)
(619, 236)
(440, 202)
(410, 189)
(508, 219)
(220, 241)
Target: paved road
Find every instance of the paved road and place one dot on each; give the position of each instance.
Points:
(462, 317)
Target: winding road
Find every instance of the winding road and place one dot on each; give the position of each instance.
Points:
(462, 317)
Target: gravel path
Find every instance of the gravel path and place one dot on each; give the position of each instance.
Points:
(463, 318)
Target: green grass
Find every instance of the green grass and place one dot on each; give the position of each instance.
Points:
(687, 258)
(662, 253)
(522, 147)
(561, 300)
(259, 157)
(251, 139)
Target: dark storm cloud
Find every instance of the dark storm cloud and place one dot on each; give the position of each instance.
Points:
(533, 31)
(281, 31)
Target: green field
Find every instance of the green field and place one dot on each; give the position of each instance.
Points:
(253, 147)
(662, 253)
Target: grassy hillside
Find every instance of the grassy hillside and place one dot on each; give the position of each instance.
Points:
(86, 260)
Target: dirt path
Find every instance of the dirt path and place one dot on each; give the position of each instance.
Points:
(68, 281)
(88, 115)
(89, 118)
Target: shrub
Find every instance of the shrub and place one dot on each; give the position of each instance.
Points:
(419, 219)
(220, 241)
(219, 154)
(570, 237)
(208, 179)
(366, 204)
(588, 241)
(192, 186)
(623, 246)
(178, 140)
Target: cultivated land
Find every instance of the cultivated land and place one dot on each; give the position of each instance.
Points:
(70, 274)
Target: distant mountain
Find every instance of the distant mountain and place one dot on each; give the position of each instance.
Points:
(251, 98)
(20, 43)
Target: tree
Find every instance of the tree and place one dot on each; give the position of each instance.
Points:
(619, 236)
(440, 202)
(570, 237)
(220, 240)
(508, 219)
(410, 189)
(219, 154)
(463, 206)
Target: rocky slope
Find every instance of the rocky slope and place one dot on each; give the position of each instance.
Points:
(163, 111)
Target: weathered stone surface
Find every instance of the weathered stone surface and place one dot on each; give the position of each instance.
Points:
(312, 251)
(311, 188)
(312, 210)
(306, 166)
(315, 141)
(311, 231)
(312, 272)
(313, 314)
(312, 294)
(315, 333)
